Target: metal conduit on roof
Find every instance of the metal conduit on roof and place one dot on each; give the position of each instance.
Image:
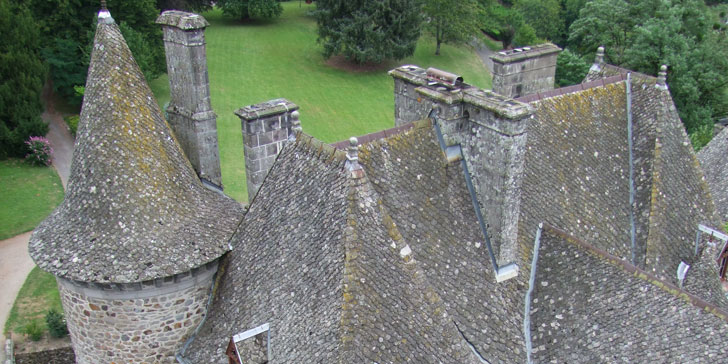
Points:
(632, 232)
(509, 270)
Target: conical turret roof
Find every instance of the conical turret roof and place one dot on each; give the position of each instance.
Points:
(134, 209)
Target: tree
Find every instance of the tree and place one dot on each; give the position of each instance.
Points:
(186, 5)
(645, 34)
(451, 21)
(67, 29)
(544, 16)
(22, 74)
(368, 30)
(570, 68)
(246, 9)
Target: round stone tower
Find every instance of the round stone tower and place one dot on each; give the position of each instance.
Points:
(136, 242)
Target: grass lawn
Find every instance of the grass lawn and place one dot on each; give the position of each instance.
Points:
(38, 295)
(27, 195)
(257, 61)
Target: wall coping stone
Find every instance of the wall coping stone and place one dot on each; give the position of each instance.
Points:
(182, 20)
(146, 289)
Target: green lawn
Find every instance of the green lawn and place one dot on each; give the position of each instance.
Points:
(257, 61)
(38, 295)
(27, 195)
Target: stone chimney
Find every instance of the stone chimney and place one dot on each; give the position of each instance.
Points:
(266, 127)
(524, 71)
(190, 113)
(491, 131)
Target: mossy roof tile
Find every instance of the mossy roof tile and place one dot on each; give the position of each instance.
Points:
(134, 209)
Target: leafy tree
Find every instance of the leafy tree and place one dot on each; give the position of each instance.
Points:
(644, 34)
(67, 32)
(246, 9)
(526, 35)
(570, 68)
(368, 30)
(544, 16)
(451, 21)
(603, 23)
(22, 74)
(499, 22)
(186, 5)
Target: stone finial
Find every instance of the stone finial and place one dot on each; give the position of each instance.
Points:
(352, 154)
(662, 78)
(104, 15)
(295, 125)
(599, 59)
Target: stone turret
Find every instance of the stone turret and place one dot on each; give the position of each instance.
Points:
(491, 130)
(524, 71)
(266, 126)
(135, 244)
(190, 113)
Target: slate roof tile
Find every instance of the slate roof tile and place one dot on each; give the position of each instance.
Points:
(589, 306)
(713, 160)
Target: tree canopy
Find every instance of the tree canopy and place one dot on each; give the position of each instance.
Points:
(451, 21)
(22, 74)
(67, 29)
(246, 9)
(643, 35)
(368, 30)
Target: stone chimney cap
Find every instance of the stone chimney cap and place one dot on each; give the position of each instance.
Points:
(268, 108)
(514, 55)
(182, 20)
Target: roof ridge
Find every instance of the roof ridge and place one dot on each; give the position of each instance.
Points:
(323, 151)
(646, 276)
(384, 134)
(566, 90)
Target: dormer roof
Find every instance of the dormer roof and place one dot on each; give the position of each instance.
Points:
(134, 208)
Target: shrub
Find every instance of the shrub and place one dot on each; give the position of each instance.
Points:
(34, 330)
(56, 324)
(40, 151)
(72, 122)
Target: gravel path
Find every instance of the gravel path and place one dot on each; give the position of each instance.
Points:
(15, 263)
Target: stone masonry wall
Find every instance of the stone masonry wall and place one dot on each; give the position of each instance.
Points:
(138, 326)
(524, 71)
(190, 112)
(55, 356)
(491, 130)
(266, 126)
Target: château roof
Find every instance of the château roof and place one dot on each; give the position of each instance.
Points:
(134, 209)
(382, 264)
(589, 306)
(713, 159)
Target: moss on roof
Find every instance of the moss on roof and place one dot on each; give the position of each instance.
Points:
(134, 209)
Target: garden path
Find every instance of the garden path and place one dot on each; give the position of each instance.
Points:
(15, 263)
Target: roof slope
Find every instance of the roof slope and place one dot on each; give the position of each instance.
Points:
(134, 209)
(346, 283)
(591, 307)
(431, 208)
(287, 263)
(577, 174)
(713, 160)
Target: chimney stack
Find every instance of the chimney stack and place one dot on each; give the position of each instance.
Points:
(266, 127)
(190, 113)
(524, 71)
